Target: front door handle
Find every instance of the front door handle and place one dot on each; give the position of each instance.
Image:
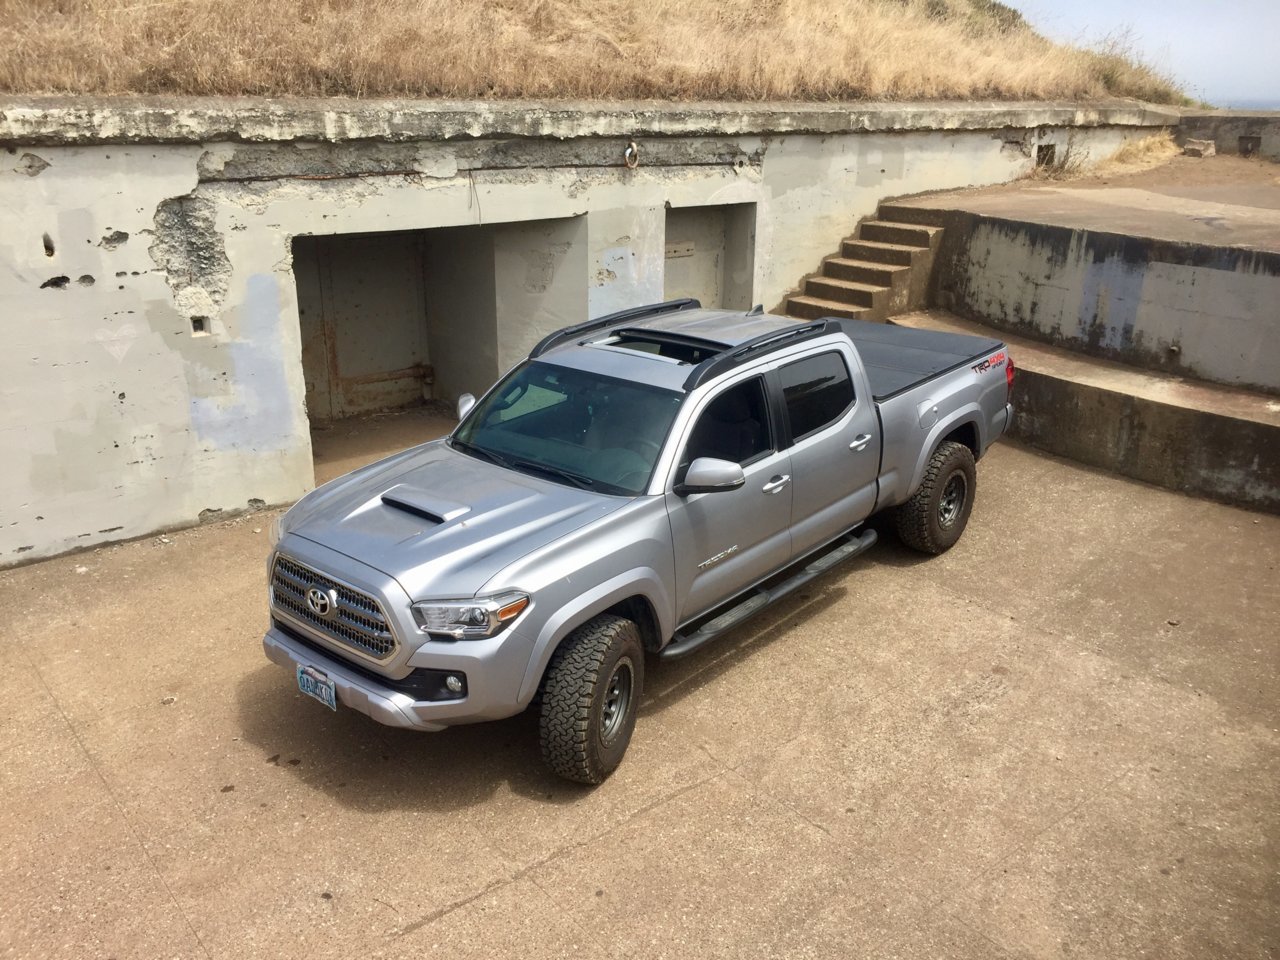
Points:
(860, 442)
(777, 483)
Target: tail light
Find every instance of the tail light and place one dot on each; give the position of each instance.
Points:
(1008, 377)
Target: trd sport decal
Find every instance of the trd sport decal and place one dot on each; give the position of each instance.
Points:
(987, 364)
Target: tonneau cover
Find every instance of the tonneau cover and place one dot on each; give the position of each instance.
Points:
(898, 358)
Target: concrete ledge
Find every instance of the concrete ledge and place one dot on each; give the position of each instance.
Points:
(1241, 132)
(65, 120)
(1204, 440)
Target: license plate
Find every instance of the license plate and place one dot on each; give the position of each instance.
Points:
(316, 685)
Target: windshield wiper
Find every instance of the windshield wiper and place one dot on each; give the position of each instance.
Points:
(481, 452)
(511, 463)
(577, 479)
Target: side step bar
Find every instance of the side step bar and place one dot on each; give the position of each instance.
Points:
(684, 644)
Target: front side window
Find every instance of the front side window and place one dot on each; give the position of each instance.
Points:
(817, 392)
(734, 426)
(572, 426)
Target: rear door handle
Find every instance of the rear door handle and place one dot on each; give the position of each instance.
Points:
(777, 483)
(860, 442)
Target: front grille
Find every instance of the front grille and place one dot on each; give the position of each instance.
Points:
(357, 620)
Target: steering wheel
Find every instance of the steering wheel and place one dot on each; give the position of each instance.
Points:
(645, 448)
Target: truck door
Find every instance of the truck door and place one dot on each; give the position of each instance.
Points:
(726, 541)
(835, 451)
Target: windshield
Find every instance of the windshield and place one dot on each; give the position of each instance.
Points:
(575, 427)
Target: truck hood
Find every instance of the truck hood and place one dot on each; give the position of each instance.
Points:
(441, 523)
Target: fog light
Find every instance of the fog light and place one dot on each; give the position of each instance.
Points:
(454, 683)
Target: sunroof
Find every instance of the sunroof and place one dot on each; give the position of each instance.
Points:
(669, 346)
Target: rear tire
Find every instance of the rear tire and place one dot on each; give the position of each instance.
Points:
(935, 516)
(590, 696)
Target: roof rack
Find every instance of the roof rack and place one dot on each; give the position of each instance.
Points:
(634, 313)
(724, 362)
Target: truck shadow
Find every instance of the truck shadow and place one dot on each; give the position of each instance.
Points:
(364, 765)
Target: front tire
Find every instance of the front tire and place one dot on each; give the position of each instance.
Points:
(935, 516)
(590, 697)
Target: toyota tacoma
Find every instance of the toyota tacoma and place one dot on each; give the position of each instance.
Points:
(637, 486)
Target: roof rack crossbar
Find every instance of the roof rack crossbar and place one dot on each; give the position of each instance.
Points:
(724, 362)
(600, 323)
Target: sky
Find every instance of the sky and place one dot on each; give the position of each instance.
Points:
(1224, 52)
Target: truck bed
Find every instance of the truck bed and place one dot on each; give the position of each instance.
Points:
(899, 358)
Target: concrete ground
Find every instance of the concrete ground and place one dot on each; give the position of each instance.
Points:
(1061, 739)
(1216, 201)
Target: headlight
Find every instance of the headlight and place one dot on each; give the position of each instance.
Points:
(469, 619)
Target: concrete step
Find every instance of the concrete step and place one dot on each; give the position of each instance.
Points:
(897, 254)
(911, 235)
(1188, 435)
(814, 308)
(845, 291)
(918, 216)
(863, 271)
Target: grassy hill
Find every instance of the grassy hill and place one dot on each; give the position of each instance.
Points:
(599, 49)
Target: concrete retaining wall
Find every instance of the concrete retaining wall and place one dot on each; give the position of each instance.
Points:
(1200, 311)
(1237, 132)
(155, 370)
(1197, 451)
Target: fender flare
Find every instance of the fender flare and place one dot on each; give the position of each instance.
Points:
(969, 414)
(641, 581)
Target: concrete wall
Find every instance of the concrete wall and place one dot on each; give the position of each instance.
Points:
(154, 369)
(541, 277)
(1198, 451)
(1204, 312)
(1235, 131)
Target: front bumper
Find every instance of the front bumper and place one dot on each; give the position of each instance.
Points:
(492, 683)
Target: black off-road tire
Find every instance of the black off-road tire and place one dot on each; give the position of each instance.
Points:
(935, 516)
(590, 696)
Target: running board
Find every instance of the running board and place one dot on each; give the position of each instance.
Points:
(684, 644)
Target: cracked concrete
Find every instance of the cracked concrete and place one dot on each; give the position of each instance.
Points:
(187, 247)
(1057, 740)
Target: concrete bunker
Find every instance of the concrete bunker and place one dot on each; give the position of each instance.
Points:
(391, 320)
(710, 254)
(179, 389)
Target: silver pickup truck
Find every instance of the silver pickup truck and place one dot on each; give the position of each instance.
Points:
(638, 485)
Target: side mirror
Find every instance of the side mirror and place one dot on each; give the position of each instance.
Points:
(465, 403)
(707, 475)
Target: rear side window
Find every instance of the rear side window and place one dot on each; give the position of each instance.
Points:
(817, 391)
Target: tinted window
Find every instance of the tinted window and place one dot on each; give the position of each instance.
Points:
(734, 426)
(572, 426)
(817, 391)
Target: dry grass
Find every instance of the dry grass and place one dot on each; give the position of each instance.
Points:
(1134, 156)
(609, 49)
(1138, 155)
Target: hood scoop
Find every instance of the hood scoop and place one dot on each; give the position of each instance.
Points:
(424, 504)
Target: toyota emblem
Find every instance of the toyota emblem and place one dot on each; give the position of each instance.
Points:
(323, 603)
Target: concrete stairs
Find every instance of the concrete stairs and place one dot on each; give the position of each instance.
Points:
(881, 270)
